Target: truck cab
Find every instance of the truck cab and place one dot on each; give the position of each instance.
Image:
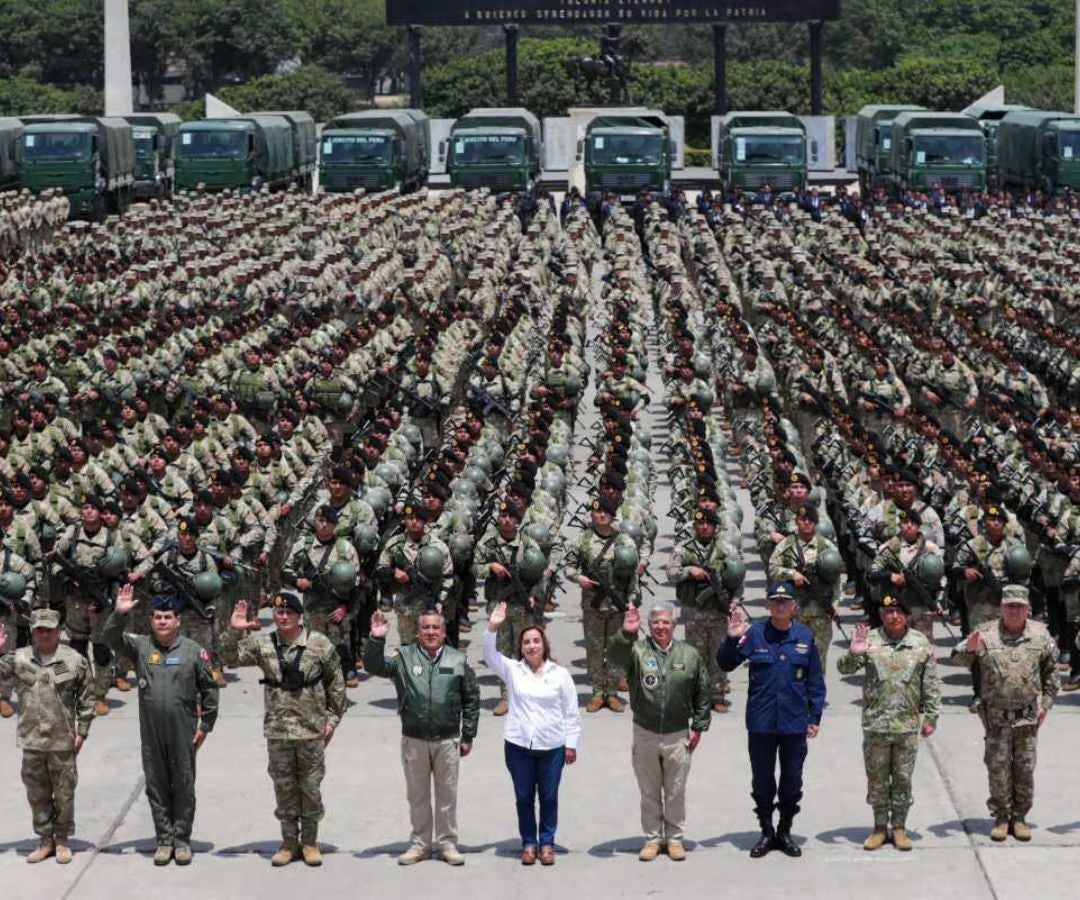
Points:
(155, 167)
(762, 148)
(946, 149)
(626, 155)
(494, 148)
(873, 145)
(376, 150)
(219, 154)
(1039, 150)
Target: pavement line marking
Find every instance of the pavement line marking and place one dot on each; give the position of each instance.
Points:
(951, 793)
(107, 837)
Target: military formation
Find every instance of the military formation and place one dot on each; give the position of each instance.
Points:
(360, 410)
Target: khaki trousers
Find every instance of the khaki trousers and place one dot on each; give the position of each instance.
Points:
(426, 763)
(662, 767)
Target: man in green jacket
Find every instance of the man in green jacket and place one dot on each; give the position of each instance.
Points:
(439, 705)
(178, 706)
(670, 689)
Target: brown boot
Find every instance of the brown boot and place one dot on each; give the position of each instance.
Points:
(284, 855)
(614, 703)
(676, 851)
(595, 704)
(649, 851)
(311, 854)
(122, 684)
(900, 839)
(6, 709)
(101, 708)
(1020, 829)
(63, 851)
(44, 850)
(876, 840)
(1000, 831)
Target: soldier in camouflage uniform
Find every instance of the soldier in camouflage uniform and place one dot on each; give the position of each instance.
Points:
(1018, 670)
(589, 564)
(795, 560)
(894, 569)
(305, 700)
(327, 610)
(56, 707)
(696, 567)
(901, 700)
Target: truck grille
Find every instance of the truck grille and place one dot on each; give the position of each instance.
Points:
(352, 180)
(952, 180)
(781, 181)
(628, 181)
(495, 181)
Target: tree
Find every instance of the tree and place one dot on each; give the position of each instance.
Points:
(321, 93)
(23, 97)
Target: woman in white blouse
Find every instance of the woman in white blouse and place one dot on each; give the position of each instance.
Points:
(541, 732)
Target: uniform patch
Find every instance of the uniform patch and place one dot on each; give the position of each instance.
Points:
(60, 668)
(173, 661)
(679, 667)
(204, 656)
(418, 669)
(649, 662)
(154, 659)
(650, 680)
(802, 648)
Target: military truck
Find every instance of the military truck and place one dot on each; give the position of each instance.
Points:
(762, 148)
(243, 153)
(626, 151)
(92, 159)
(873, 144)
(9, 135)
(1039, 150)
(305, 144)
(495, 148)
(936, 148)
(376, 150)
(989, 117)
(155, 159)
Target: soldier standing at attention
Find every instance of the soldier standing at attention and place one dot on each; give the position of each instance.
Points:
(901, 700)
(1018, 681)
(56, 707)
(305, 700)
(178, 706)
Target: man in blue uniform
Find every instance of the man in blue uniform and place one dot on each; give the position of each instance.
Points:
(784, 707)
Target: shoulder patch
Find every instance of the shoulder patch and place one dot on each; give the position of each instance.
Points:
(204, 656)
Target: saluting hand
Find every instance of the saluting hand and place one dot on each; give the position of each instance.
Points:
(498, 616)
(631, 620)
(973, 642)
(125, 599)
(380, 625)
(859, 644)
(737, 624)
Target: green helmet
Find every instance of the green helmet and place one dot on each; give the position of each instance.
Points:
(482, 462)
(542, 535)
(264, 400)
(624, 562)
(644, 436)
(555, 483)
(825, 529)
(765, 383)
(703, 397)
(206, 585)
(461, 548)
(558, 454)
(929, 569)
(378, 498)
(367, 539)
(463, 487)
(532, 564)
(1018, 563)
(412, 434)
(476, 475)
(632, 529)
(431, 562)
(341, 578)
(12, 585)
(388, 473)
(641, 456)
(573, 384)
(113, 563)
(343, 404)
(495, 454)
(829, 565)
(733, 575)
(702, 365)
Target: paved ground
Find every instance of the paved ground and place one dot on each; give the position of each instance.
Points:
(367, 823)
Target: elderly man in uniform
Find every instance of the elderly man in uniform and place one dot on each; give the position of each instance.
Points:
(56, 707)
(1018, 683)
(178, 705)
(305, 700)
(901, 700)
(671, 699)
(439, 705)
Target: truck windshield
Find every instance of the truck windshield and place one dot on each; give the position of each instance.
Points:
(213, 144)
(144, 144)
(480, 149)
(356, 149)
(1069, 143)
(56, 146)
(624, 149)
(951, 150)
(769, 150)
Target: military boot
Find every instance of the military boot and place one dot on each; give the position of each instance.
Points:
(764, 842)
(1020, 829)
(595, 704)
(63, 851)
(312, 855)
(900, 839)
(182, 855)
(101, 708)
(783, 841)
(876, 840)
(163, 855)
(285, 854)
(44, 850)
(1000, 831)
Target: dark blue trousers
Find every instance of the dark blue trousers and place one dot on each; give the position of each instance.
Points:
(535, 773)
(764, 750)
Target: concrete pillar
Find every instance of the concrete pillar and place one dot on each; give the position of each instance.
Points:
(511, 32)
(118, 95)
(719, 32)
(414, 67)
(815, 67)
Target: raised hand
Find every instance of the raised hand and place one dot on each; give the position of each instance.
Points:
(125, 599)
(498, 616)
(737, 625)
(3, 635)
(380, 625)
(238, 620)
(973, 641)
(859, 644)
(631, 620)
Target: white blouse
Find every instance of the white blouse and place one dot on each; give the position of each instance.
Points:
(543, 711)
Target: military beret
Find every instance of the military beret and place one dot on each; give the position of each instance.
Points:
(615, 479)
(326, 511)
(799, 478)
(416, 511)
(896, 601)
(22, 479)
(909, 515)
(204, 496)
(92, 500)
(343, 474)
(288, 600)
(510, 509)
(707, 515)
(807, 511)
(603, 504)
(995, 512)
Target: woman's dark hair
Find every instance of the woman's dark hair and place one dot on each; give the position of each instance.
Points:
(543, 639)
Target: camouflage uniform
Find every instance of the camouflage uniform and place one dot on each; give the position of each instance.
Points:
(982, 597)
(817, 602)
(1018, 678)
(56, 702)
(294, 724)
(901, 690)
(402, 552)
(310, 558)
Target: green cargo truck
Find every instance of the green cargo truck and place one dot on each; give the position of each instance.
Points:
(91, 159)
(626, 151)
(989, 117)
(494, 148)
(10, 129)
(1039, 150)
(155, 159)
(244, 153)
(943, 148)
(376, 150)
(755, 149)
(873, 145)
(305, 144)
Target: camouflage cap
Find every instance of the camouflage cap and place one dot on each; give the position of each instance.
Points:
(1014, 595)
(44, 618)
